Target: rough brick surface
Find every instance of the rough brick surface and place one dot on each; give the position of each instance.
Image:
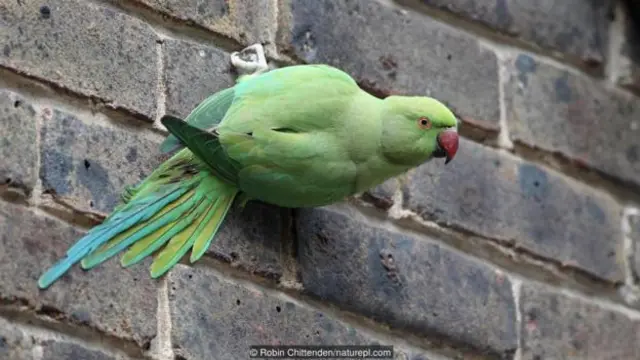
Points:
(192, 73)
(247, 22)
(60, 350)
(557, 326)
(577, 27)
(394, 52)
(628, 67)
(409, 283)
(15, 344)
(91, 162)
(21, 344)
(500, 196)
(634, 228)
(556, 110)
(218, 318)
(29, 244)
(250, 238)
(18, 156)
(108, 55)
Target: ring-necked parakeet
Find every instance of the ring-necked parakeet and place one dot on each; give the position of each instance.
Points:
(299, 136)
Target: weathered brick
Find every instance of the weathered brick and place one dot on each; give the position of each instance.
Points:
(628, 66)
(247, 22)
(557, 110)
(559, 326)
(17, 343)
(497, 195)
(579, 28)
(192, 73)
(250, 238)
(91, 162)
(634, 228)
(217, 318)
(107, 55)
(62, 350)
(120, 302)
(18, 155)
(396, 52)
(408, 283)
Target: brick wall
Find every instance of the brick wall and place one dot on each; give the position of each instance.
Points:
(527, 246)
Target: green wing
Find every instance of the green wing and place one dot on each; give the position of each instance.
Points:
(283, 130)
(206, 146)
(301, 98)
(286, 129)
(206, 116)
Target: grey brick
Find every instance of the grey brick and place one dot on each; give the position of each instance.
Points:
(396, 53)
(578, 27)
(247, 22)
(558, 326)
(192, 73)
(119, 302)
(18, 155)
(559, 111)
(411, 284)
(15, 344)
(61, 350)
(107, 55)
(634, 222)
(500, 196)
(91, 162)
(218, 318)
(250, 238)
(18, 343)
(628, 66)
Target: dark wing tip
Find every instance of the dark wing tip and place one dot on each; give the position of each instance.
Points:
(168, 120)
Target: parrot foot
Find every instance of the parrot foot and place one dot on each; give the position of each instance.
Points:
(250, 60)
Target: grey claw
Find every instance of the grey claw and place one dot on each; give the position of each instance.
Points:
(250, 60)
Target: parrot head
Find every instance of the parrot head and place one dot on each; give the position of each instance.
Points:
(416, 129)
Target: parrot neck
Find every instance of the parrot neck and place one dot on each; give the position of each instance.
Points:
(398, 138)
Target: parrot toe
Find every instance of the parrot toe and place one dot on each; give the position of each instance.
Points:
(250, 60)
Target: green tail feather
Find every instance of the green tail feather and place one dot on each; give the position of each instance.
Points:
(181, 206)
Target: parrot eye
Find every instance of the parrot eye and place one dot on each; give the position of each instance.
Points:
(424, 123)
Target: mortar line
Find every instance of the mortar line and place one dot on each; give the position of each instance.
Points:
(616, 42)
(516, 288)
(36, 193)
(163, 346)
(630, 291)
(504, 138)
(161, 90)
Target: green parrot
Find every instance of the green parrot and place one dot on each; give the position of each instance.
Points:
(298, 136)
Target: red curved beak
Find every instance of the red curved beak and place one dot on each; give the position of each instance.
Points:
(447, 145)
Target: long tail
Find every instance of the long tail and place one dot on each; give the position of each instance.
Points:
(181, 204)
